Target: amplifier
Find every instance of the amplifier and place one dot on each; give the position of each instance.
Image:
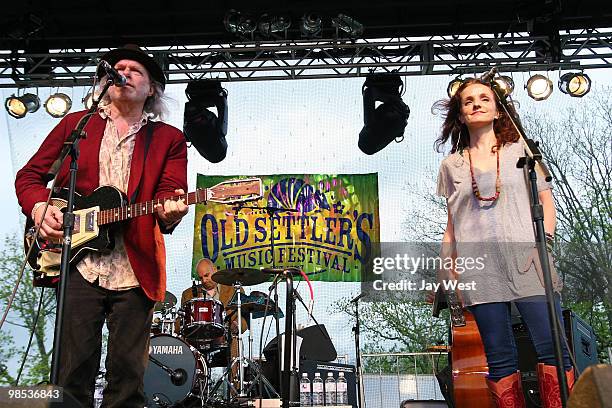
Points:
(581, 339)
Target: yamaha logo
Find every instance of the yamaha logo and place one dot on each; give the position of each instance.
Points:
(167, 350)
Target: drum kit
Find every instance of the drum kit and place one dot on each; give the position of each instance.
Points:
(189, 340)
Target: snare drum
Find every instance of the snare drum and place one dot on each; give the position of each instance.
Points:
(203, 319)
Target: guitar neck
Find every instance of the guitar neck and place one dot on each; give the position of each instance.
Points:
(117, 214)
(225, 192)
(456, 311)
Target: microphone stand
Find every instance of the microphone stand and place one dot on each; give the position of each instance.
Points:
(178, 376)
(71, 148)
(358, 368)
(532, 162)
(284, 376)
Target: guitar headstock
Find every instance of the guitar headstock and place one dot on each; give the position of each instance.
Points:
(236, 191)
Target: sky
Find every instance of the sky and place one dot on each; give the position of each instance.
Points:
(299, 126)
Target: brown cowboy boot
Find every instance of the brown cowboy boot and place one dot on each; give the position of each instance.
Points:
(549, 385)
(507, 392)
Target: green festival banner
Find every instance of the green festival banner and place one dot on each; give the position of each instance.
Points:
(329, 232)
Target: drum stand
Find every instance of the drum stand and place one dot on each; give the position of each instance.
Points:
(242, 361)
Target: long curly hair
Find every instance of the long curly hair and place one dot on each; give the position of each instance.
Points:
(458, 133)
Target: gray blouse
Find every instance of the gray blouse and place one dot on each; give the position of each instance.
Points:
(497, 235)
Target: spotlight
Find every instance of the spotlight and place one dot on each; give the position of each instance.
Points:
(453, 86)
(348, 24)
(58, 105)
(88, 100)
(19, 106)
(385, 115)
(268, 24)
(505, 84)
(311, 25)
(202, 128)
(575, 84)
(238, 23)
(539, 87)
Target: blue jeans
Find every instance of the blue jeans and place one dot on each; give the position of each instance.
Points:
(494, 324)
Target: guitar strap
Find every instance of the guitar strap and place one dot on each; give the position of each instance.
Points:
(148, 137)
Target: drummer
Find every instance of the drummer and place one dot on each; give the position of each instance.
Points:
(210, 289)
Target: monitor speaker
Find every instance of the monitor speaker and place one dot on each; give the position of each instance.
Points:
(593, 389)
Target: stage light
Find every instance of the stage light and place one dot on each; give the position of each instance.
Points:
(202, 128)
(575, 84)
(539, 87)
(268, 24)
(88, 100)
(58, 105)
(348, 24)
(385, 115)
(19, 106)
(505, 84)
(311, 25)
(238, 23)
(453, 86)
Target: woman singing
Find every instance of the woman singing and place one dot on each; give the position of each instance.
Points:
(489, 216)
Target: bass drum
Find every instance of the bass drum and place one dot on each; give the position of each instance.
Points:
(185, 372)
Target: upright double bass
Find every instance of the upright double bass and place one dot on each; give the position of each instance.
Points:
(468, 361)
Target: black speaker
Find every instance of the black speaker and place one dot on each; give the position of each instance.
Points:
(581, 339)
(528, 359)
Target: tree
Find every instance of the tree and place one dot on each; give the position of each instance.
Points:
(22, 316)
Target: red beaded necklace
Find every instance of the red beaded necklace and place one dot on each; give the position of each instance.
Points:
(475, 186)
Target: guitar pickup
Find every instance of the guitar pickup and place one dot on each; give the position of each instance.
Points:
(90, 221)
(77, 224)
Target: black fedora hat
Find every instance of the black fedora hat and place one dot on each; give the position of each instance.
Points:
(135, 53)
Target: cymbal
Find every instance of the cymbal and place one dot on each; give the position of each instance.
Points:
(251, 307)
(281, 271)
(168, 302)
(246, 276)
(255, 304)
(256, 310)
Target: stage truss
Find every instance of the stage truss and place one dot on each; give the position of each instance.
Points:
(331, 58)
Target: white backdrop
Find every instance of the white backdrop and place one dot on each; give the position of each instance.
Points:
(308, 126)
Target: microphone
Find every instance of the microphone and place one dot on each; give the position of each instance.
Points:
(118, 79)
(356, 299)
(489, 75)
(178, 376)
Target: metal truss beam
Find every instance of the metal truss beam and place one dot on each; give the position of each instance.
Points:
(304, 59)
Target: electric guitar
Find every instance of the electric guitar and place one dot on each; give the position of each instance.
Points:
(98, 215)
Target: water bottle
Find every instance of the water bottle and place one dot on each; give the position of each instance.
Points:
(317, 390)
(341, 390)
(305, 391)
(330, 389)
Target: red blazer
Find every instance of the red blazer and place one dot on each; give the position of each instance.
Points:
(164, 170)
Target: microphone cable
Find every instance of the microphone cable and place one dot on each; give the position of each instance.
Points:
(27, 350)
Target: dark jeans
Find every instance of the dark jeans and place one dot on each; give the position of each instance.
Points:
(495, 326)
(128, 315)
